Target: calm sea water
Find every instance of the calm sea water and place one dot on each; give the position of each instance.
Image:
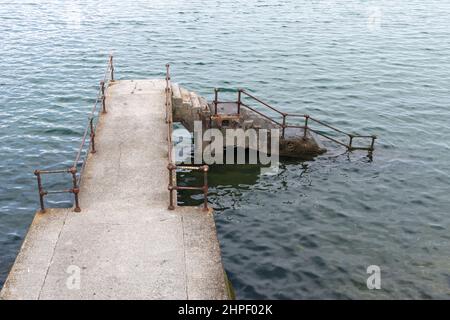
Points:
(376, 67)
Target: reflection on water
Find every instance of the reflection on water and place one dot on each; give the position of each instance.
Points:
(376, 67)
(312, 230)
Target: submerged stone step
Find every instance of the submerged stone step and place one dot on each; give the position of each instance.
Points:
(194, 101)
(203, 104)
(248, 124)
(186, 97)
(176, 94)
(194, 108)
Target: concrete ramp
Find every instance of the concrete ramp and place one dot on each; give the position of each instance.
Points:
(125, 243)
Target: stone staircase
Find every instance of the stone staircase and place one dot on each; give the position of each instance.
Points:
(189, 107)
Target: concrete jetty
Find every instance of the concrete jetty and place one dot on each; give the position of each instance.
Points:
(125, 243)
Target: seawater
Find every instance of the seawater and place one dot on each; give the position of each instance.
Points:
(311, 231)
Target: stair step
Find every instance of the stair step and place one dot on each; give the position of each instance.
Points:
(176, 94)
(248, 124)
(185, 96)
(196, 109)
(194, 101)
(203, 104)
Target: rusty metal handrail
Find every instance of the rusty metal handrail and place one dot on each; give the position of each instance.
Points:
(284, 124)
(261, 114)
(171, 166)
(90, 130)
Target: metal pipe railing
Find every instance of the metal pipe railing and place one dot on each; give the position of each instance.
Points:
(262, 102)
(173, 187)
(283, 125)
(261, 114)
(89, 130)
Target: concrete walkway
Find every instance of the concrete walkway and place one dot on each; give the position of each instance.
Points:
(124, 244)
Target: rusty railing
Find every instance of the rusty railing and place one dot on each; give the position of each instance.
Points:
(171, 166)
(88, 131)
(283, 123)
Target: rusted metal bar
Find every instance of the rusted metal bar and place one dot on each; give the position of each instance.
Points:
(53, 171)
(92, 135)
(166, 104)
(80, 150)
(305, 130)
(171, 187)
(167, 111)
(262, 102)
(328, 126)
(216, 94)
(169, 144)
(75, 189)
(261, 114)
(296, 115)
(59, 191)
(103, 98)
(190, 167)
(42, 193)
(329, 138)
(370, 148)
(283, 126)
(205, 187)
(187, 188)
(350, 142)
(171, 167)
(89, 129)
(359, 136)
(111, 66)
(239, 101)
(168, 91)
(372, 145)
(167, 74)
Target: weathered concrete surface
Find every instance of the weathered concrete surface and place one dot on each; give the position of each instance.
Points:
(125, 242)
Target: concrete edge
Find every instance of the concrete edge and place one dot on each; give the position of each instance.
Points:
(28, 272)
(206, 279)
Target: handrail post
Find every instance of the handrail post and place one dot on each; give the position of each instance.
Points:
(306, 126)
(373, 142)
(92, 134)
(168, 95)
(372, 145)
(111, 67)
(75, 189)
(171, 188)
(167, 73)
(284, 125)
(102, 86)
(350, 142)
(166, 104)
(216, 94)
(239, 101)
(42, 193)
(205, 187)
